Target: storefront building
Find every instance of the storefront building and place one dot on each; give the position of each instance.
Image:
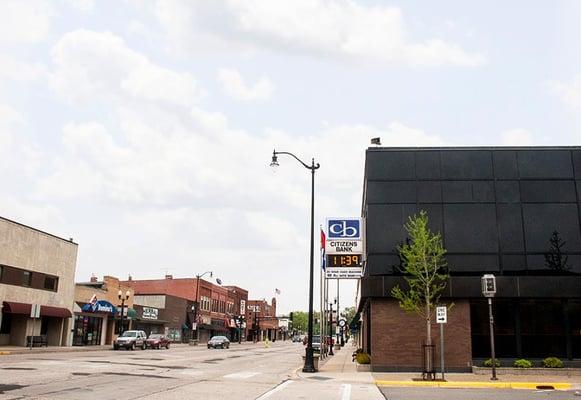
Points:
(236, 313)
(97, 311)
(217, 306)
(511, 212)
(262, 320)
(36, 268)
(165, 314)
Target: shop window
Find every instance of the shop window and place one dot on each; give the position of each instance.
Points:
(51, 283)
(26, 278)
(1, 272)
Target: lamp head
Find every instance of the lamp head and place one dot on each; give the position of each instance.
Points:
(274, 162)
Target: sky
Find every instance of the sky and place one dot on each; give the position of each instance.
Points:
(144, 129)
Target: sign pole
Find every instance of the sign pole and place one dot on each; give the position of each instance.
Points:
(442, 350)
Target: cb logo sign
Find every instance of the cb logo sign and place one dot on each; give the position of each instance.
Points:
(344, 228)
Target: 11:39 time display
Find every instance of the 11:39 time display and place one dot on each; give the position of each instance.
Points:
(343, 260)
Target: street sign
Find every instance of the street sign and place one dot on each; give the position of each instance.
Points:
(194, 326)
(35, 311)
(342, 323)
(441, 315)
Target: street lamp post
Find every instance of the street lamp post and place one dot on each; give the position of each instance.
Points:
(489, 290)
(197, 306)
(122, 296)
(331, 329)
(309, 354)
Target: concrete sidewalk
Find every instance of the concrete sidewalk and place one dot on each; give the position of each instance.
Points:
(337, 378)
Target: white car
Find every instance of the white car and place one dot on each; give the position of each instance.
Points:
(130, 340)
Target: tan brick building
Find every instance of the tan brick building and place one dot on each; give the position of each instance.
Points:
(35, 268)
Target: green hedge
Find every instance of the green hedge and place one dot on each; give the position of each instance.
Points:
(488, 363)
(522, 363)
(552, 362)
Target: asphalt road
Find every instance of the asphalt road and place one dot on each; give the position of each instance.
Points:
(474, 394)
(242, 372)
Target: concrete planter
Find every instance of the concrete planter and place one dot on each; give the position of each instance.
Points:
(528, 371)
(363, 367)
(315, 361)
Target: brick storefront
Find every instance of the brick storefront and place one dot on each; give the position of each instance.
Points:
(398, 337)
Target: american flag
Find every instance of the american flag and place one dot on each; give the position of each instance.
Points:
(277, 291)
(323, 242)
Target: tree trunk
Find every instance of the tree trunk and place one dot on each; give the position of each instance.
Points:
(428, 325)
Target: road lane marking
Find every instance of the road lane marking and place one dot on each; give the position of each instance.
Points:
(274, 390)
(241, 375)
(346, 392)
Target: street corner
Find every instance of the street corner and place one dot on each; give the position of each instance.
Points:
(477, 385)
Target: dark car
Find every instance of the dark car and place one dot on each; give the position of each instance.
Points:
(219, 341)
(130, 340)
(157, 341)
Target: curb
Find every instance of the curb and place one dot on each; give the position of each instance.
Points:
(479, 385)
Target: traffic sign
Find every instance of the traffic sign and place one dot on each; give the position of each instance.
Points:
(441, 315)
(342, 323)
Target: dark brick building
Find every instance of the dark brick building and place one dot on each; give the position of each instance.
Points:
(218, 304)
(505, 211)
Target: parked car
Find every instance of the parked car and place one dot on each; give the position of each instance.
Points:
(317, 343)
(130, 340)
(219, 341)
(157, 341)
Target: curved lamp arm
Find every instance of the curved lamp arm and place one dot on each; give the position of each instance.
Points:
(274, 162)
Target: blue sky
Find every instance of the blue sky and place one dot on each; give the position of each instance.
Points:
(143, 129)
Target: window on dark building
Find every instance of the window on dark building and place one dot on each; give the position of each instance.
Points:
(26, 278)
(51, 283)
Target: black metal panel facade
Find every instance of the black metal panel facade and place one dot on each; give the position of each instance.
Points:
(496, 208)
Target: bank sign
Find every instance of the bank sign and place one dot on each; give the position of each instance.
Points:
(344, 236)
(344, 248)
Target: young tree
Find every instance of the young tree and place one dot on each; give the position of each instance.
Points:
(425, 270)
(555, 258)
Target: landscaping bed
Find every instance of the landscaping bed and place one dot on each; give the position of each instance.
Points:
(528, 371)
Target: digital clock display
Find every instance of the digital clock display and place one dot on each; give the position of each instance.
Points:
(343, 260)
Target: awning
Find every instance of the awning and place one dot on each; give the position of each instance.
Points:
(13, 307)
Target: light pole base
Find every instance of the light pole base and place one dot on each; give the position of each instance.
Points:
(309, 361)
(494, 378)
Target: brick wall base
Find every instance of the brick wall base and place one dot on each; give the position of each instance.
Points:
(397, 337)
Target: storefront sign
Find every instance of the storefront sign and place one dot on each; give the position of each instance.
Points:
(242, 307)
(149, 313)
(100, 306)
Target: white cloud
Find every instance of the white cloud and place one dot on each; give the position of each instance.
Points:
(337, 28)
(24, 21)
(517, 137)
(82, 5)
(12, 69)
(90, 64)
(569, 93)
(233, 84)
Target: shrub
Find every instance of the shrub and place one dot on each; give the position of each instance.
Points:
(363, 358)
(522, 363)
(488, 363)
(552, 362)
